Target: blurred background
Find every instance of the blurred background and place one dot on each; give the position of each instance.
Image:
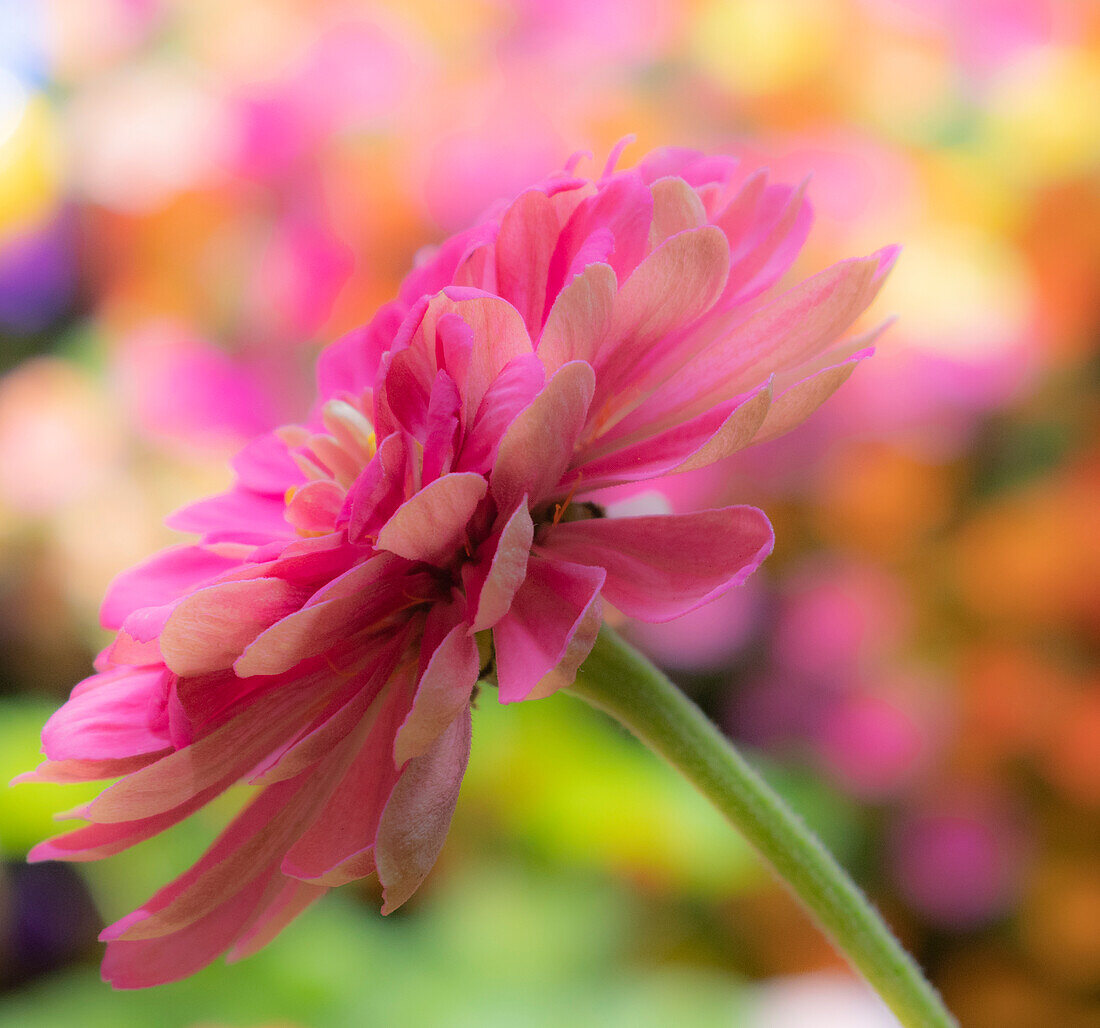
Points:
(195, 195)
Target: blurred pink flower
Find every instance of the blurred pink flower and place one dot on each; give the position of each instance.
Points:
(440, 512)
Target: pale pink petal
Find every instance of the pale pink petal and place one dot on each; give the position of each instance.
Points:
(431, 525)
(418, 814)
(676, 208)
(538, 445)
(492, 583)
(790, 330)
(443, 691)
(345, 825)
(354, 602)
(580, 318)
(719, 432)
(673, 287)
(210, 629)
(556, 601)
(663, 566)
(794, 405)
(314, 507)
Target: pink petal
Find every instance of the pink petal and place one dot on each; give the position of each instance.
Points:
(782, 335)
(492, 584)
(431, 525)
(265, 466)
(379, 490)
(216, 759)
(663, 566)
(353, 602)
(525, 243)
(443, 691)
(418, 814)
(235, 516)
(210, 629)
(293, 898)
(147, 962)
(512, 390)
(110, 721)
(247, 850)
(160, 579)
(624, 207)
(538, 445)
(553, 620)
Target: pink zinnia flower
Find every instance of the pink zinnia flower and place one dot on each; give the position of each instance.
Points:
(439, 514)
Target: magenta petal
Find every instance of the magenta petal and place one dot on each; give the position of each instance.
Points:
(513, 389)
(663, 566)
(553, 621)
(235, 516)
(160, 579)
(431, 525)
(418, 814)
(109, 721)
(538, 445)
(525, 243)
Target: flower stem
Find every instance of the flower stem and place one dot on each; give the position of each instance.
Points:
(620, 681)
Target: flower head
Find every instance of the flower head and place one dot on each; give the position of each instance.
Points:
(440, 512)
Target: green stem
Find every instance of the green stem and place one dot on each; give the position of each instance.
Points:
(620, 681)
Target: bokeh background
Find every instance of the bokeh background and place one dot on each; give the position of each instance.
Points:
(195, 195)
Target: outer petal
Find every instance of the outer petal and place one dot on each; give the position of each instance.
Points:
(442, 693)
(661, 567)
(146, 962)
(554, 619)
(538, 445)
(238, 515)
(418, 815)
(701, 441)
(796, 404)
(109, 721)
(673, 287)
(163, 577)
(346, 824)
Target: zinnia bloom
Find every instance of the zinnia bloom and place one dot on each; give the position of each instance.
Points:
(440, 515)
